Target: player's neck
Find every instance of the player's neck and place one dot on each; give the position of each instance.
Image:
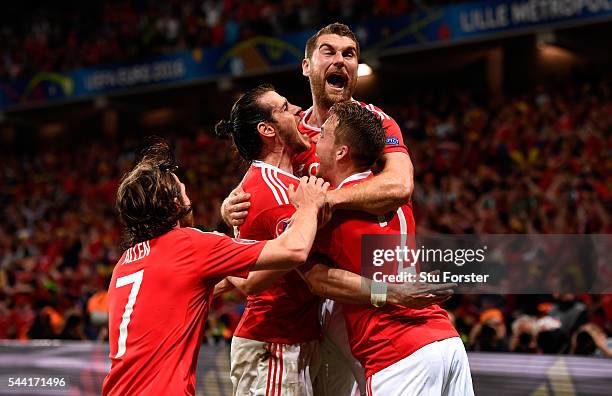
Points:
(319, 114)
(342, 173)
(280, 158)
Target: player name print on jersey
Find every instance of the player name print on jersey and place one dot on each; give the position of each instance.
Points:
(137, 252)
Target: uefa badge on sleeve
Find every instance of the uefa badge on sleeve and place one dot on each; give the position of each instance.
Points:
(392, 141)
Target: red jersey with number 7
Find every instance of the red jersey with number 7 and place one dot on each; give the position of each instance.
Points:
(159, 297)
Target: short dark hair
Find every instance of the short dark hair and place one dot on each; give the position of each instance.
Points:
(361, 130)
(337, 28)
(146, 196)
(246, 114)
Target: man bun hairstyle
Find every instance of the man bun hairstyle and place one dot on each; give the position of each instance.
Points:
(336, 28)
(223, 129)
(361, 130)
(149, 198)
(246, 114)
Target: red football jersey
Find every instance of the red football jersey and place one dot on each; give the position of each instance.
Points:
(381, 336)
(287, 312)
(159, 298)
(307, 163)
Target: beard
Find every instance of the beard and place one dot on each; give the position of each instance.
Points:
(321, 96)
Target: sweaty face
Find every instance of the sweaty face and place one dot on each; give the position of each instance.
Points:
(297, 113)
(286, 116)
(326, 148)
(332, 69)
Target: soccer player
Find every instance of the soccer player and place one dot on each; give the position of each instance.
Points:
(162, 286)
(279, 329)
(330, 63)
(404, 351)
(277, 336)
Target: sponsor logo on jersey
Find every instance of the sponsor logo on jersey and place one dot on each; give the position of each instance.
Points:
(393, 140)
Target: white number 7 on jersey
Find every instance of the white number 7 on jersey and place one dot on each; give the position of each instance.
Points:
(136, 279)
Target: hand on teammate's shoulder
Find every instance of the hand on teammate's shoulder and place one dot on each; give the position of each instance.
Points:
(310, 192)
(235, 207)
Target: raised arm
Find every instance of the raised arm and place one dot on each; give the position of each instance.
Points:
(381, 194)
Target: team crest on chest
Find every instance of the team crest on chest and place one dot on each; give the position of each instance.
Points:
(281, 226)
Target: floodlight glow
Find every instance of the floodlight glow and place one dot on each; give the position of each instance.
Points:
(363, 70)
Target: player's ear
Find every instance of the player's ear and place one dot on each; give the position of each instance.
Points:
(306, 67)
(342, 152)
(265, 129)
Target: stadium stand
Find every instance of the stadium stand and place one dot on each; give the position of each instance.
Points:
(60, 37)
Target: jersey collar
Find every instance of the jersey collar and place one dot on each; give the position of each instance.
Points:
(307, 115)
(261, 164)
(354, 177)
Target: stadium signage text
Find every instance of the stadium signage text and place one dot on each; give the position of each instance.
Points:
(145, 73)
(505, 15)
(425, 29)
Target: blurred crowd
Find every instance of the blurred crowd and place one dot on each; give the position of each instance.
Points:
(534, 163)
(537, 163)
(59, 36)
(59, 232)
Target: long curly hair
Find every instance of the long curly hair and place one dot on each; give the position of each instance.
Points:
(149, 199)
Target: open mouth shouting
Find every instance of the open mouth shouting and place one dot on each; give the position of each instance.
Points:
(336, 81)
